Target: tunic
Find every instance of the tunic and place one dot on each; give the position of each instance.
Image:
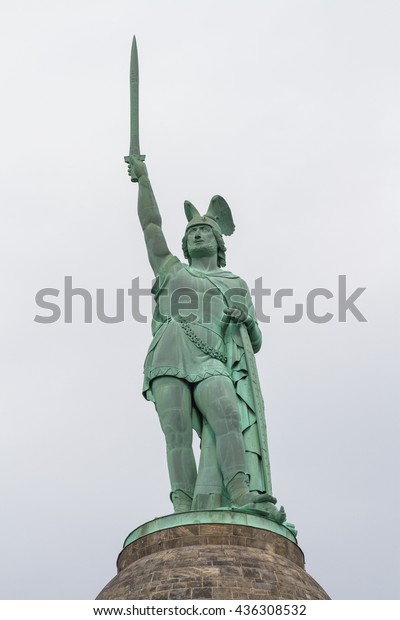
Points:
(182, 292)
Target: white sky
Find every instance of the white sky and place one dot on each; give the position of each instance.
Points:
(290, 110)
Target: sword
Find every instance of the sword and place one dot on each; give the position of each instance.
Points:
(259, 406)
(134, 148)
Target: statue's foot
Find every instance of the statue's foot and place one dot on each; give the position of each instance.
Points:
(243, 498)
(272, 512)
(264, 497)
(268, 510)
(240, 494)
(181, 501)
(252, 497)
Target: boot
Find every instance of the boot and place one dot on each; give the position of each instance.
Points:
(240, 494)
(242, 497)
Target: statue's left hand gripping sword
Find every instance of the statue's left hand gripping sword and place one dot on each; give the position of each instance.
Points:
(134, 149)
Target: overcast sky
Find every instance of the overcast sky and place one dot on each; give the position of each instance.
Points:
(290, 110)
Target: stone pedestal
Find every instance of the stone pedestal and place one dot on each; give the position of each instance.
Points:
(223, 555)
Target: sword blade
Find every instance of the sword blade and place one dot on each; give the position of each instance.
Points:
(134, 148)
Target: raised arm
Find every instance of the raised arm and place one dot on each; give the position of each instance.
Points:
(150, 219)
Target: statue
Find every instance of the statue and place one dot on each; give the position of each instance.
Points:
(200, 370)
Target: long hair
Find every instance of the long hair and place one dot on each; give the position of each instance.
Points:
(221, 248)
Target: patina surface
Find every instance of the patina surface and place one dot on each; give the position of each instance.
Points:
(200, 369)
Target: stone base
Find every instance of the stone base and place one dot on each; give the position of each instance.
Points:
(215, 555)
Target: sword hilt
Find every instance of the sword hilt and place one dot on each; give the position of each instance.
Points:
(130, 160)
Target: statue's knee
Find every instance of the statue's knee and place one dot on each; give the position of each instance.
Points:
(176, 427)
(173, 440)
(230, 416)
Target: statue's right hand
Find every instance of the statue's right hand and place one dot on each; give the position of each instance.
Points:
(136, 167)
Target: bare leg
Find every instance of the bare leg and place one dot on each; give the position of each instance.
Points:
(174, 407)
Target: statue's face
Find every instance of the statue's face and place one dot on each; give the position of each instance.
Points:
(201, 241)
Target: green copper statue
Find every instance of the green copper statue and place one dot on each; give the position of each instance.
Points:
(200, 370)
